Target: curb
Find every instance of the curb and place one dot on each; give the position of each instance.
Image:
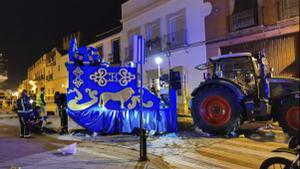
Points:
(8, 116)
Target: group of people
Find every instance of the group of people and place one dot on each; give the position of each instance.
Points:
(32, 114)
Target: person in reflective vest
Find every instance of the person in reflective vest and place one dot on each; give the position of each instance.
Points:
(24, 109)
(41, 103)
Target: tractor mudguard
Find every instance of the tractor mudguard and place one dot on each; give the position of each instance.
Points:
(285, 150)
(236, 89)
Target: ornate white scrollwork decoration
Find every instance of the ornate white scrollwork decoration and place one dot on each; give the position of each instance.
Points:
(78, 81)
(99, 77)
(126, 77)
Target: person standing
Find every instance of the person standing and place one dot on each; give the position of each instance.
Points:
(41, 103)
(62, 105)
(57, 101)
(24, 109)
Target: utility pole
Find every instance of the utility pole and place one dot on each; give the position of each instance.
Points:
(139, 58)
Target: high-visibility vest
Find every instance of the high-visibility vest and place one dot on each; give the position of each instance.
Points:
(39, 99)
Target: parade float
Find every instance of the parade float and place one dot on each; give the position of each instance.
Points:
(106, 99)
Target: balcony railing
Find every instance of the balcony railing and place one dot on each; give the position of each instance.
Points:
(288, 9)
(244, 19)
(176, 39)
(41, 77)
(153, 46)
(170, 41)
(49, 77)
(129, 53)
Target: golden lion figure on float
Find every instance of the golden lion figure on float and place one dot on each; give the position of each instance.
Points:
(121, 96)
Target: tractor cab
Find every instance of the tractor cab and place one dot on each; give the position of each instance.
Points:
(239, 68)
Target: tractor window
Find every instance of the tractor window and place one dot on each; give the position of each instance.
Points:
(239, 70)
(235, 65)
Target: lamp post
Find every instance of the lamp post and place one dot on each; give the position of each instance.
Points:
(158, 61)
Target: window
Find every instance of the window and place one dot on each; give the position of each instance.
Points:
(116, 51)
(153, 30)
(131, 33)
(129, 50)
(288, 9)
(177, 30)
(176, 22)
(153, 38)
(58, 67)
(245, 15)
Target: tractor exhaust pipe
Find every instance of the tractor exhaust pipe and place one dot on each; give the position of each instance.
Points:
(264, 85)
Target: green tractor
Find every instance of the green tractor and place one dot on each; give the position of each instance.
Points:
(240, 90)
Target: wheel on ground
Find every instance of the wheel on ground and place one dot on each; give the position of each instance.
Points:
(276, 163)
(289, 116)
(216, 110)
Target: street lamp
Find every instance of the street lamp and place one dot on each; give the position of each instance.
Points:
(158, 61)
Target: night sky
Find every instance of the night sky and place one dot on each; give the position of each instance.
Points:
(29, 28)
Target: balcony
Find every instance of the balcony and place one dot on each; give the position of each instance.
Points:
(153, 46)
(39, 78)
(49, 77)
(176, 39)
(244, 19)
(129, 53)
(288, 9)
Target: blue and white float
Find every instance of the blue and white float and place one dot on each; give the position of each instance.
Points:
(106, 99)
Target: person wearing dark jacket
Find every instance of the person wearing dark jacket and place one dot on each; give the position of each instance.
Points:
(61, 103)
(24, 109)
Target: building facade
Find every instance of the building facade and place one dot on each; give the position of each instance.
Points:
(174, 30)
(3, 70)
(249, 26)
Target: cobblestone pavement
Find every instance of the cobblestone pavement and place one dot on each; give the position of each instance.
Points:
(189, 148)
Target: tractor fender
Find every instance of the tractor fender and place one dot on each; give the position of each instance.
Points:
(236, 89)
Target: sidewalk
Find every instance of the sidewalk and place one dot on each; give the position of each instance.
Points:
(97, 154)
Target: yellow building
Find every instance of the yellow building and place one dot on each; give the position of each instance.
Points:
(49, 72)
(56, 76)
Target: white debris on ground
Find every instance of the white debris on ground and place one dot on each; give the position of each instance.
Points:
(68, 150)
(162, 145)
(176, 143)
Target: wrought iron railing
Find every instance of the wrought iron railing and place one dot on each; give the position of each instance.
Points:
(49, 77)
(244, 19)
(129, 53)
(153, 46)
(288, 9)
(175, 39)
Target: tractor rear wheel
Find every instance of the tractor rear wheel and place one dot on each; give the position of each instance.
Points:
(289, 116)
(216, 110)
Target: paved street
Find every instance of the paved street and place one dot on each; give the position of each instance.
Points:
(185, 149)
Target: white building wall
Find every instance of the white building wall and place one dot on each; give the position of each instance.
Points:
(137, 13)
